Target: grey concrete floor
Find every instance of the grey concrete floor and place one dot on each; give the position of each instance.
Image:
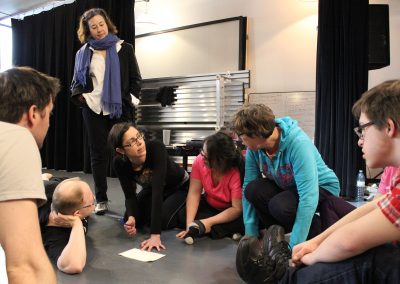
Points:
(207, 261)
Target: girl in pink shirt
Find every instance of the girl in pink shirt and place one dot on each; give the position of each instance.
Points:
(386, 178)
(214, 201)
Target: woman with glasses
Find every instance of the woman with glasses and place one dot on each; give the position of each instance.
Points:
(217, 212)
(164, 183)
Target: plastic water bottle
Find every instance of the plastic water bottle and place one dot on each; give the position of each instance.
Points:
(360, 186)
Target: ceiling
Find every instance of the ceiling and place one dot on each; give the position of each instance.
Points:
(10, 8)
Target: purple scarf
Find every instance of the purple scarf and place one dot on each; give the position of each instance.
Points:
(111, 94)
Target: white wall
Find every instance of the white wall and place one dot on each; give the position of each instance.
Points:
(393, 70)
(282, 36)
(5, 46)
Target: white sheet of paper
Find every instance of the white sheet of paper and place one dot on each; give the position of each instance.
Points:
(142, 255)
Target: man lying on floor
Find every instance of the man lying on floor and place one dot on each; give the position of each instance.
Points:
(63, 223)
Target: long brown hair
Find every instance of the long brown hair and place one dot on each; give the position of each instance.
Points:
(84, 31)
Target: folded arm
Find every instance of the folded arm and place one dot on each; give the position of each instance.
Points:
(72, 259)
(354, 238)
(353, 229)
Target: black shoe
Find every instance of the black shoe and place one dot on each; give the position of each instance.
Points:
(277, 251)
(101, 208)
(195, 230)
(263, 261)
(250, 260)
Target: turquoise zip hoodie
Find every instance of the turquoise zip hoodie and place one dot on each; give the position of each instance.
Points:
(297, 164)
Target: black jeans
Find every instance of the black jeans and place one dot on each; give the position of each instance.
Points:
(332, 209)
(218, 231)
(377, 265)
(276, 206)
(173, 203)
(97, 127)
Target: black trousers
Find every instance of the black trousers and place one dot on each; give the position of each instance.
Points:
(97, 127)
(276, 206)
(332, 209)
(173, 203)
(218, 231)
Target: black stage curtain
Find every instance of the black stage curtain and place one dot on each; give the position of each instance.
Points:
(48, 43)
(342, 76)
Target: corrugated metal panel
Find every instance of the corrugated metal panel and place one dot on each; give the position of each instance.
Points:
(200, 102)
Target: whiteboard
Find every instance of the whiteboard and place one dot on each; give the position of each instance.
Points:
(298, 105)
(211, 47)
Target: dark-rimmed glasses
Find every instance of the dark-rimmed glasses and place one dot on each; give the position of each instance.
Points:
(360, 130)
(134, 140)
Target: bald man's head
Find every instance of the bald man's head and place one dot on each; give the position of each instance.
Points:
(69, 196)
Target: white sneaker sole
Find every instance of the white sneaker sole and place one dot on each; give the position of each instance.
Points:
(189, 240)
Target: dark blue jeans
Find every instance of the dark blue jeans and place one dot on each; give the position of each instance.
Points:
(377, 265)
(97, 127)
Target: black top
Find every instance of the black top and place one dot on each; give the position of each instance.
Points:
(159, 173)
(54, 238)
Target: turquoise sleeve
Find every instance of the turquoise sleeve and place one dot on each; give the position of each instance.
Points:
(302, 158)
(252, 172)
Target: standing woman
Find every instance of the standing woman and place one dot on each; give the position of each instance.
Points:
(217, 170)
(164, 183)
(106, 73)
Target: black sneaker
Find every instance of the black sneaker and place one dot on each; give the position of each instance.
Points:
(250, 260)
(101, 208)
(277, 251)
(263, 261)
(195, 230)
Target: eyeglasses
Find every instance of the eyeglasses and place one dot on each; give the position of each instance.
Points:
(89, 205)
(360, 130)
(134, 141)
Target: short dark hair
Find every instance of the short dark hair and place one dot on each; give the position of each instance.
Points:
(254, 120)
(380, 103)
(116, 134)
(84, 31)
(222, 153)
(23, 87)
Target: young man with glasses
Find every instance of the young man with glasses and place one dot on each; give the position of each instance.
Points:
(64, 223)
(285, 176)
(362, 247)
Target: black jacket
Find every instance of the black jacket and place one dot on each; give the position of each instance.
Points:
(130, 81)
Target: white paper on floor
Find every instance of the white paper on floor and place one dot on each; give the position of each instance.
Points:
(142, 255)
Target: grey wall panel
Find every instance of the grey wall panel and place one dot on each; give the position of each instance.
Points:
(202, 101)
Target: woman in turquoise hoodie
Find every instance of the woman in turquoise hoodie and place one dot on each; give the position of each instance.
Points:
(285, 176)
